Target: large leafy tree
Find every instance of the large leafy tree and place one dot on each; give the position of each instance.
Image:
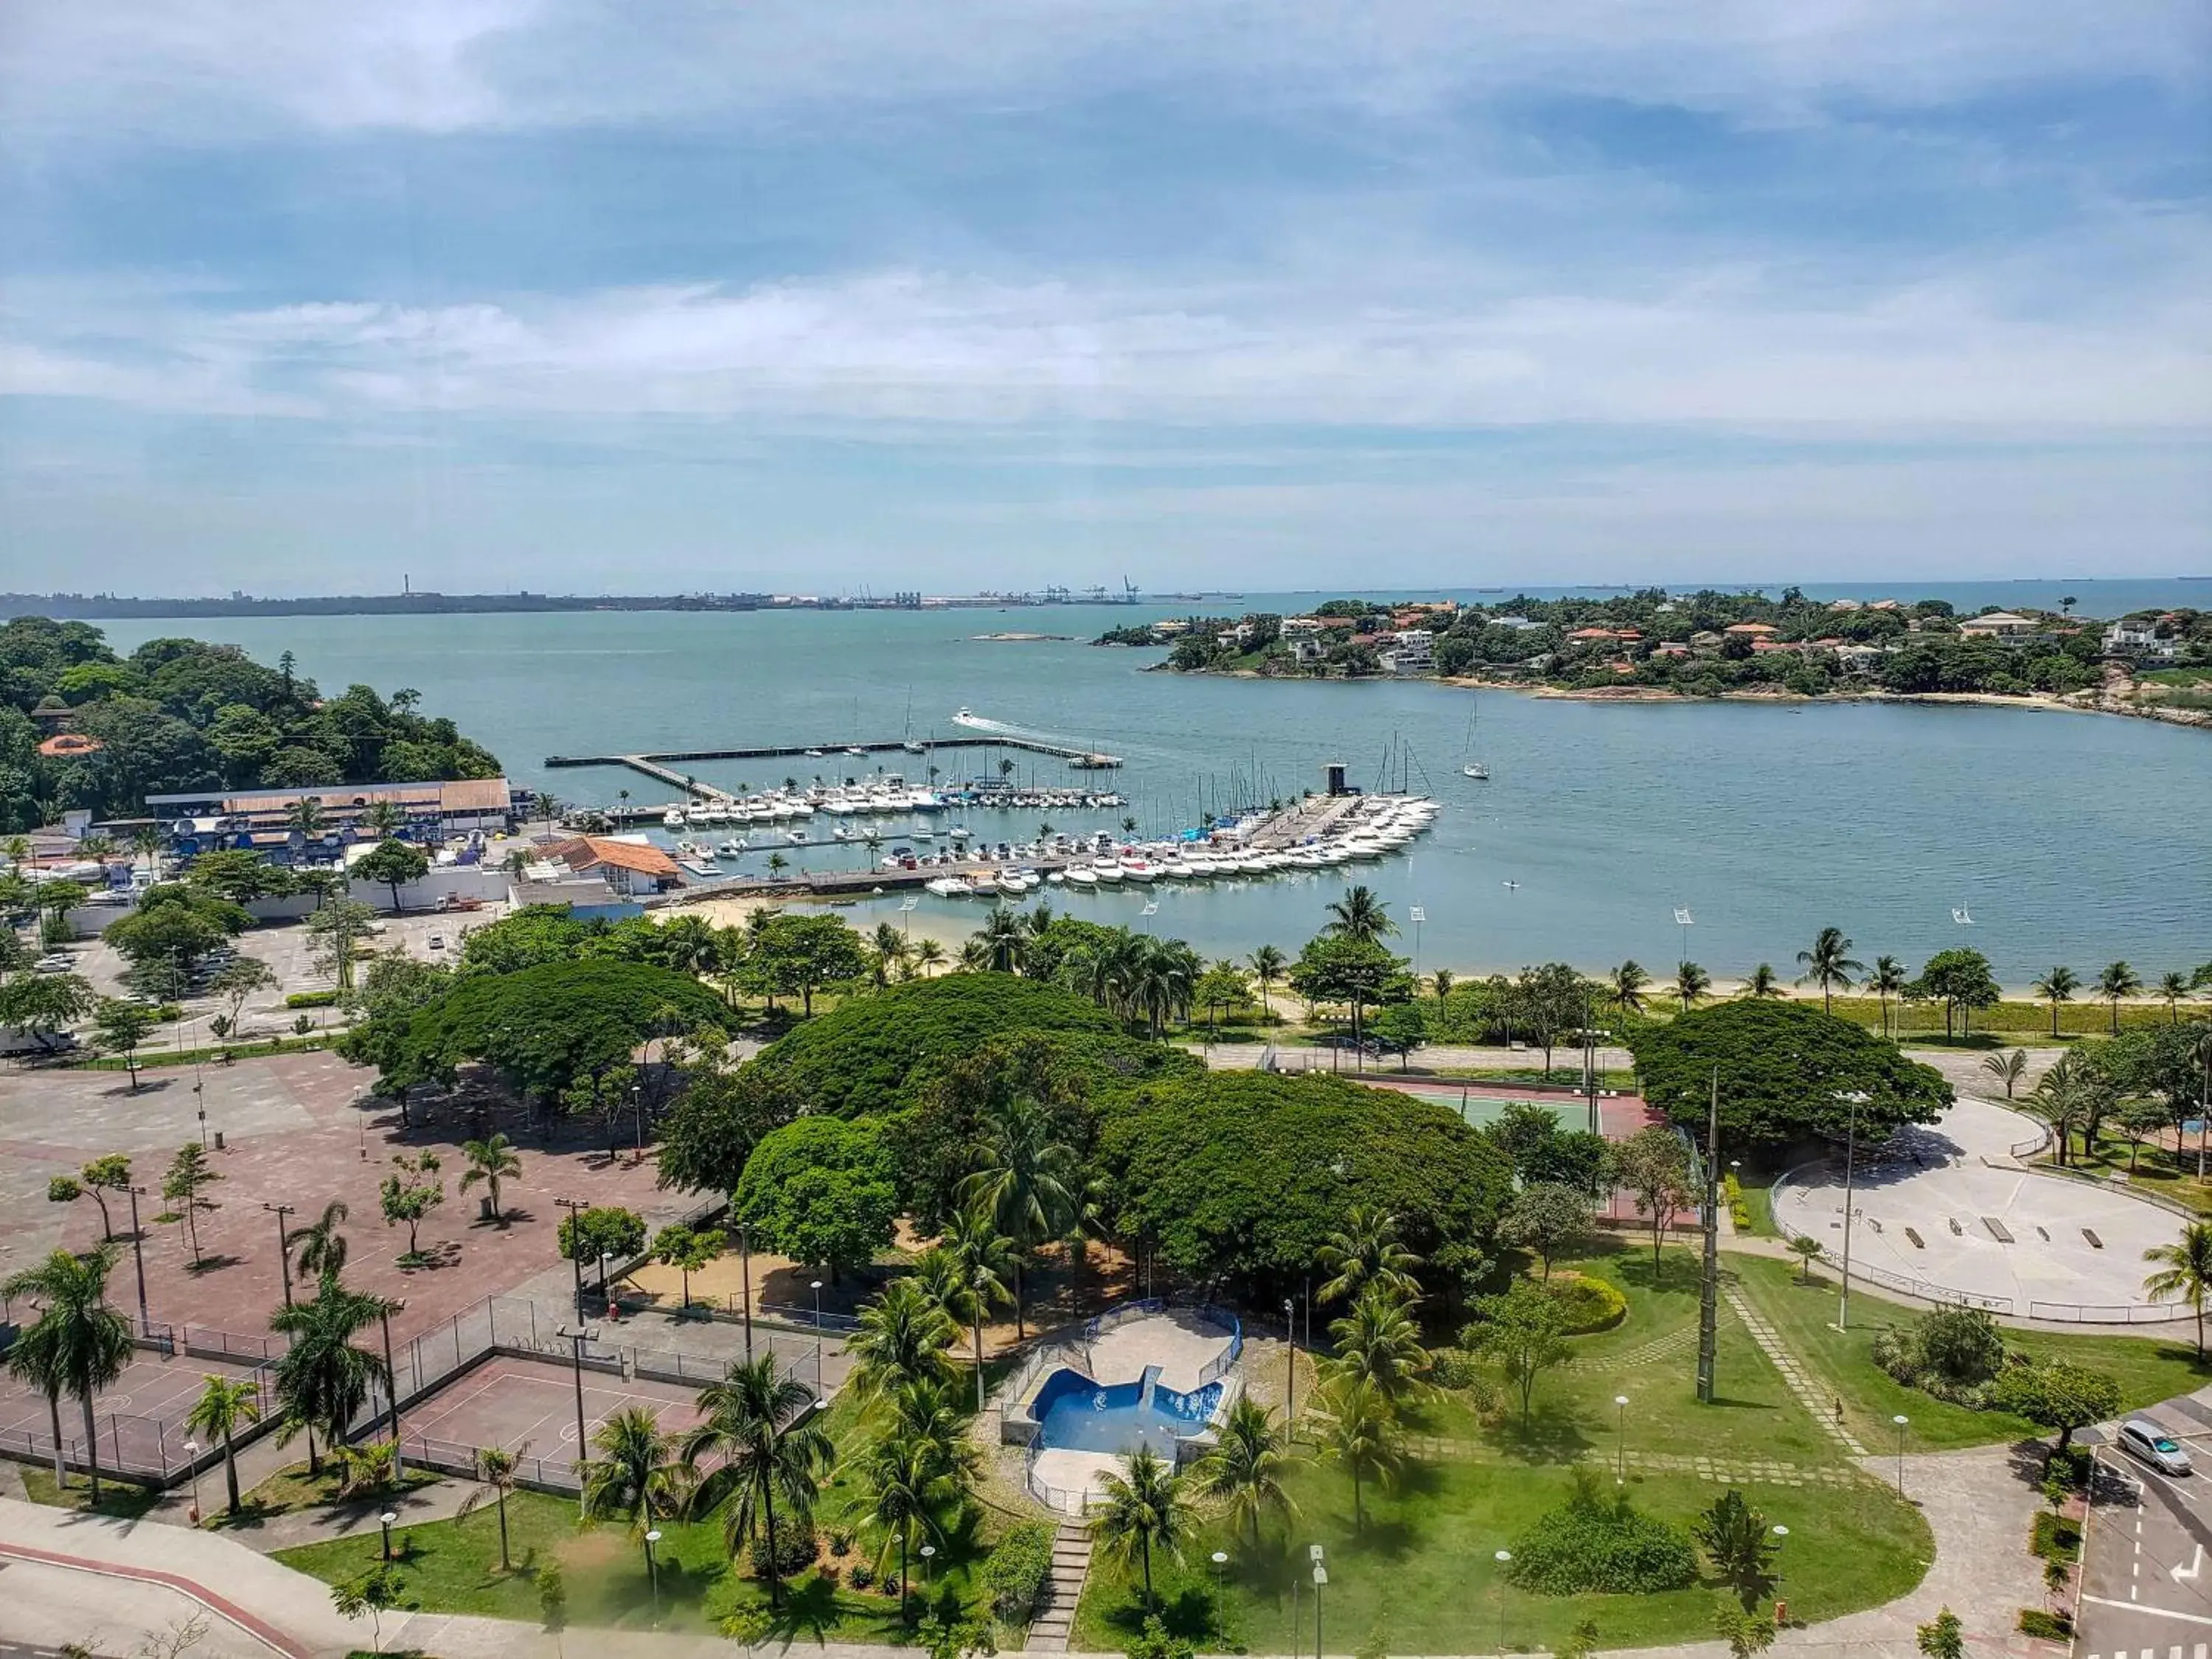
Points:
(706, 1137)
(796, 955)
(395, 863)
(760, 1447)
(1549, 1219)
(1960, 978)
(1654, 1167)
(77, 1346)
(1524, 1331)
(1785, 1071)
(820, 1190)
(2056, 1394)
(1356, 972)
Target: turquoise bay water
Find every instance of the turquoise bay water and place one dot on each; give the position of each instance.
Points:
(2070, 838)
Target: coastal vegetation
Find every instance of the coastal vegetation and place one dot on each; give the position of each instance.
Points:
(181, 713)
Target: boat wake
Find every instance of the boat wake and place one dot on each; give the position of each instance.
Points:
(975, 722)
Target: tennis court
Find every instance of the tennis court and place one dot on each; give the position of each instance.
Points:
(1620, 1116)
(512, 1402)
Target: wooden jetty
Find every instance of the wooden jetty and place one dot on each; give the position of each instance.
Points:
(661, 765)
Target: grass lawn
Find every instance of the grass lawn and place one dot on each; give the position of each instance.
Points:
(453, 1566)
(1422, 1568)
(292, 1488)
(2149, 1368)
(117, 1498)
(2157, 1168)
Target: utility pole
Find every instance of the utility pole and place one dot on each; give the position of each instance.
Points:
(139, 1258)
(573, 1206)
(1709, 1289)
(284, 1246)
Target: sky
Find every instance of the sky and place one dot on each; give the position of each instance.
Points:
(300, 297)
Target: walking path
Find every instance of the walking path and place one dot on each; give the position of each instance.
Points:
(1071, 1566)
(1813, 1400)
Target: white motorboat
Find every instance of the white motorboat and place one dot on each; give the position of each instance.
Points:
(731, 848)
(948, 887)
(1106, 869)
(1137, 870)
(1082, 875)
(672, 818)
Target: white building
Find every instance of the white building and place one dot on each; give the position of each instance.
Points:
(1408, 651)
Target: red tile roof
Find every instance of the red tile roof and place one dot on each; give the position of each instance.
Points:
(586, 851)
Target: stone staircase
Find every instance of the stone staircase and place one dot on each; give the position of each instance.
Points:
(1071, 1564)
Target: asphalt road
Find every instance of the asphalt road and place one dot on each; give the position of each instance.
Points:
(2146, 1588)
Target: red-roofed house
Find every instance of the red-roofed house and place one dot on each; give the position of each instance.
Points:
(1751, 630)
(629, 867)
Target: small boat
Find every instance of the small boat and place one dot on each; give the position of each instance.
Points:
(1136, 869)
(1082, 875)
(731, 848)
(1106, 870)
(948, 887)
(796, 837)
(855, 749)
(1511, 886)
(814, 754)
(672, 818)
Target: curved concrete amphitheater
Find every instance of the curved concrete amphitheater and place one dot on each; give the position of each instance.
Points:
(1952, 1216)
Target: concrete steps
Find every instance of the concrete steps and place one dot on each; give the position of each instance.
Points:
(1071, 1566)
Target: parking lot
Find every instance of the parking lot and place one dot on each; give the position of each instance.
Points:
(2145, 1590)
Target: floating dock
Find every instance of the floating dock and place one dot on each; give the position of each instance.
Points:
(660, 765)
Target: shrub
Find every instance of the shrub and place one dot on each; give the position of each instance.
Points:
(860, 1575)
(1455, 1368)
(2048, 1626)
(312, 1000)
(1600, 1542)
(795, 1549)
(1019, 1569)
(1587, 1305)
(2056, 1538)
(1952, 1353)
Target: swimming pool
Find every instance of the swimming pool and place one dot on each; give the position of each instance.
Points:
(1075, 1414)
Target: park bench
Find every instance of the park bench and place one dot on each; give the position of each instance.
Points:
(1914, 1238)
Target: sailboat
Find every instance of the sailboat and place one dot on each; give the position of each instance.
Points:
(1470, 767)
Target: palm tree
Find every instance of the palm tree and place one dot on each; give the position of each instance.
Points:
(77, 1346)
(901, 1338)
(1026, 1178)
(495, 1468)
(2117, 981)
(1829, 965)
(322, 1246)
(2007, 1069)
(1762, 983)
(1146, 1507)
(928, 953)
(1378, 1341)
(2065, 1097)
(1246, 1471)
(1267, 965)
(2055, 986)
(2184, 1272)
(1360, 915)
(986, 1258)
(1625, 986)
(1691, 982)
(1359, 1430)
(1004, 942)
(324, 1378)
(307, 816)
(225, 1406)
(888, 954)
(2172, 988)
(1442, 980)
(768, 1446)
(906, 1485)
(637, 1475)
(490, 1161)
(1366, 1253)
(1886, 979)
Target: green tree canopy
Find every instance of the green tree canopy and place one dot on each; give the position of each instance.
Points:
(1784, 1070)
(820, 1191)
(394, 863)
(1960, 979)
(1247, 1174)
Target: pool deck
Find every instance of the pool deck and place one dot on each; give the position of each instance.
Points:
(1180, 1341)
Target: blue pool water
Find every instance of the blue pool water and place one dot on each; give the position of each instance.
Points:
(1075, 1413)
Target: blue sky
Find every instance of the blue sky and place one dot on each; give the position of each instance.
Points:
(594, 297)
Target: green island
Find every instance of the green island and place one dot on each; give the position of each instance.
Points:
(1711, 644)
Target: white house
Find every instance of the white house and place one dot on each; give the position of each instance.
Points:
(1999, 625)
(1409, 651)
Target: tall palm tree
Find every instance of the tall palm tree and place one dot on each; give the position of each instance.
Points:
(887, 956)
(928, 953)
(1625, 986)
(901, 1338)
(2117, 981)
(1762, 983)
(496, 1472)
(907, 1487)
(1379, 1342)
(1268, 966)
(1365, 1253)
(2184, 1272)
(2172, 989)
(2065, 1097)
(984, 1260)
(307, 816)
(2055, 986)
(1026, 1177)
(1359, 914)
(224, 1407)
(638, 1473)
(77, 1346)
(322, 1246)
(1147, 1507)
(1247, 1471)
(1691, 982)
(1829, 965)
(767, 1448)
(324, 1378)
(1004, 942)
(1886, 979)
(1359, 1430)
(491, 1161)
(1442, 979)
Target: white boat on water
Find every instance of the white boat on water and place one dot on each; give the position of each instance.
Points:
(672, 818)
(965, 717)
(730, 849)
(948, 887)
(1106, 869)
(1082, 875)
(1137, 870)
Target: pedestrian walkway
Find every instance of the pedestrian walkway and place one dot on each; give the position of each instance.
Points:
(1071, 1566)
(1814, 1400)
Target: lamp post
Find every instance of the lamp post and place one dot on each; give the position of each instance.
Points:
(1320, 1578)
(818, 1336)
(651, 1571)
(1504, 1559)
(193, 1462)
(1620, 1439)
(1900, 1419)
(1290, 1371)
(746, 1285)
(577, 1336)
(1781, 1607)
(138, 1259)
(392, 1379)
(928, 1555)
(385, 1520)
(606, 1275)
(575, 1206)
(1220, 1590)
(283, 1249)
(1858, 1097)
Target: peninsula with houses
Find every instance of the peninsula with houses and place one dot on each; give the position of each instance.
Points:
(1708, 644)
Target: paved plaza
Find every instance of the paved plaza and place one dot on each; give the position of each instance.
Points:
(1953, 1215)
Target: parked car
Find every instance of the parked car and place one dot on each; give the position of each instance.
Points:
(437, 941)
(2146, 1442)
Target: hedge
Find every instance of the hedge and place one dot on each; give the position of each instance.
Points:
(1587, 1305)
(312, 1000)
(1019, 1569)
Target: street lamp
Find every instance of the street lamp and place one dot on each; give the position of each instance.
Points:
(192, 1461)
(1900, 1419)
(1781, 1607)
(1320, 1578)
(1857, 1097)
(139, 1258)
(392, 1379)
(928, 1555)
(1290, 1368)
(577, 1336)
(818, 1336)
(575, 1206)
(652, 1572)
(1220, 1592)
(606, 1274)
(1620, 1439)
(385, 1520)
(283, 1248)
(1504, 1559)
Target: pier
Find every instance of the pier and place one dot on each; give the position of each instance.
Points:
(660, 765)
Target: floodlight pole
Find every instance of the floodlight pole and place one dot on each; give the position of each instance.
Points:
(1851, 1170)
(138, 1259)
(283, 1248)
(1709, 1284)
(392, 1382)
(573, 1207)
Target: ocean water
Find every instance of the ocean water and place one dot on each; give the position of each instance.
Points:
(2068, 838)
